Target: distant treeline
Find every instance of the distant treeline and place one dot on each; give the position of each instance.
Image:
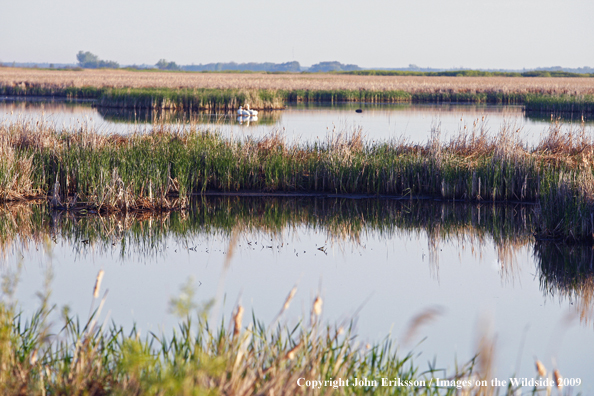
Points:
(291, 67)
(252, 66)
(89, 60)
(466, 73)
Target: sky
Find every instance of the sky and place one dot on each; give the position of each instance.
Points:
(487, 34)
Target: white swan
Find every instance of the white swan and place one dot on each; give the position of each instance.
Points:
(251, 112)
(241, 112)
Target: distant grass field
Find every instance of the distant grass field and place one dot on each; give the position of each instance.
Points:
(291, 82)
(225, 91)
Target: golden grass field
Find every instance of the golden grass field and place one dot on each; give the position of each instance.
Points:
(124, 78)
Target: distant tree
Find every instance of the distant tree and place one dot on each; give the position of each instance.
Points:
(332, 66)
(89, 60)
(164, 65)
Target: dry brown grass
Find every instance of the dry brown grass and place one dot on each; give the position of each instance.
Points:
(122, 78)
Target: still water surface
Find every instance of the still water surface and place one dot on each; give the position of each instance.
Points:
(297, 122)
(380, 262)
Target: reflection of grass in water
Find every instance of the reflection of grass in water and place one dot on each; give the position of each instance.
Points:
(49, 105)
(565, 269)
(185, 117)
(568, 271)
(341, 219)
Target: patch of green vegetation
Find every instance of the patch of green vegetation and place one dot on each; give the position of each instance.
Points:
(161, 170)
(188, 99)
(558, 104)
(230, 99)
(78, 357)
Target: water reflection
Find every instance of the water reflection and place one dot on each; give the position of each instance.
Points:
(399, 255)
(341, 220)
(131, 116)
(564, 271)
(567, 271)
(305, 122)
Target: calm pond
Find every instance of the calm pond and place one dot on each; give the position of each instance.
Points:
(298, 122)
(378, 262)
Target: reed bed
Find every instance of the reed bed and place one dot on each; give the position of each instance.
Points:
(220, 100)
(162, 169)
(203, 91)
(290, 82)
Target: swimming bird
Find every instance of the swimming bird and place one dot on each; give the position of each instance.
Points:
(241, 112)
(251, 112)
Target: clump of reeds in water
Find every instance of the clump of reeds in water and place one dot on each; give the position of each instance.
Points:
(161, 169)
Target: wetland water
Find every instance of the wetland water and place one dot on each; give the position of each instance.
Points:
(379, 261)
(297, 122)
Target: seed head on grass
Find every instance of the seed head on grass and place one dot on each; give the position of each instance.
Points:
(291, 354)
(540, 368)
(317, 306)
(289, 299)
(424, 317)
(558, 379)
(237, 318)
(98, 283)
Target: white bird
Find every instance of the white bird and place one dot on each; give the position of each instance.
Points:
(251, 112)
(241, 112)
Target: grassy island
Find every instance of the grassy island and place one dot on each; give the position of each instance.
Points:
(161, 170)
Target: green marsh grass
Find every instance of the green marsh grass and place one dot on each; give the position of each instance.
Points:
(74, 356)
(163, 169)
(560, 104)
(228, 99)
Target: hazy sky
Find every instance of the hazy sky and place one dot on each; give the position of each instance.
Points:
(374, 33)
